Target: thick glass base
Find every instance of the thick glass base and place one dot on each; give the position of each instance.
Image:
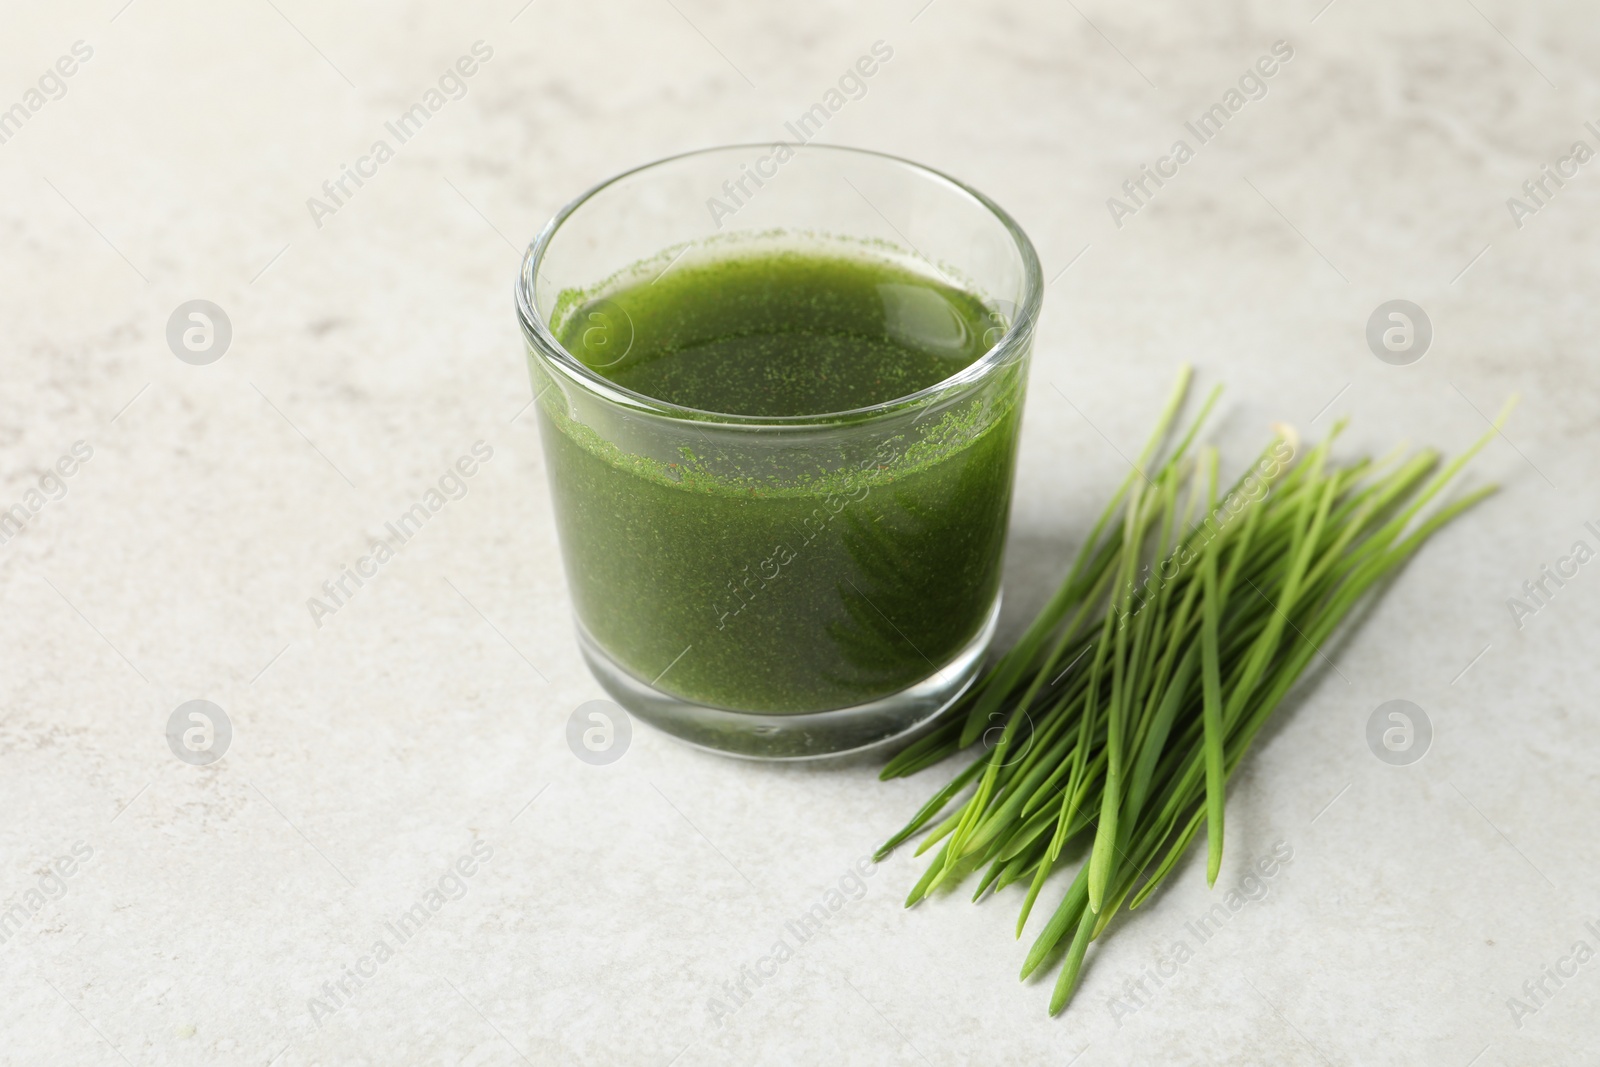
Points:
(798, 735)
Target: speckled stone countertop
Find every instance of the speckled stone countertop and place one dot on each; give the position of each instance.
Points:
(410, 750)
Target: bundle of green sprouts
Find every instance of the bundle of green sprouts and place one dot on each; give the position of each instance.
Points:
(1115, 721)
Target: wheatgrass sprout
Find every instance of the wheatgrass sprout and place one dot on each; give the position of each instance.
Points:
(1128, 703)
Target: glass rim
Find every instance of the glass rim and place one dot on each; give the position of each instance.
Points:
(536, 331)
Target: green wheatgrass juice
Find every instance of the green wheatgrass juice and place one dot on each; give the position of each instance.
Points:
(781, 583)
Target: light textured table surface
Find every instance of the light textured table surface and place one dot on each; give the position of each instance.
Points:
(207, 906)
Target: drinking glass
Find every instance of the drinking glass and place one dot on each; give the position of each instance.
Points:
(781, 586)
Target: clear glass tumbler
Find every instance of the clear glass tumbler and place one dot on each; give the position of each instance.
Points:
(780, 586)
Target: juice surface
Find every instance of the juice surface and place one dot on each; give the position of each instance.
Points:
(786, 333)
